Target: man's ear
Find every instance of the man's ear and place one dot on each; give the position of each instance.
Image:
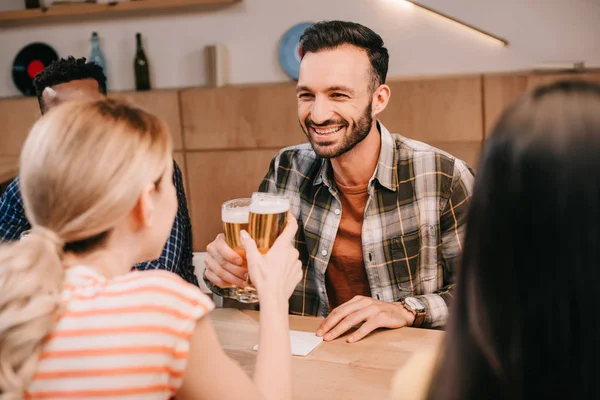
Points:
(49, 93)
(48, 97)
(381, 98)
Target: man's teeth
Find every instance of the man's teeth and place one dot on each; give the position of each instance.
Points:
(327, 131)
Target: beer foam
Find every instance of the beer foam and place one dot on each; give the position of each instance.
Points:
(270, 206)
(239, 215)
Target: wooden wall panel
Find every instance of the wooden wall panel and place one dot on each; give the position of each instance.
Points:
(16, 118)
(538, 80)
(443, 110)
(224, 138)
(9, 168)
(466, 151)
(499, 93)
(18, 115)
(163, 103)
(241, 117)
(218, 176)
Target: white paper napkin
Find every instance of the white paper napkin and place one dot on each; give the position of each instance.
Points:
(302, 342)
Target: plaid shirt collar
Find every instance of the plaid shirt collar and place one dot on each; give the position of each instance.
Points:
(386, 171)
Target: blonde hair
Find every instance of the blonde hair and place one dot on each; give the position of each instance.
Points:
(83, 167)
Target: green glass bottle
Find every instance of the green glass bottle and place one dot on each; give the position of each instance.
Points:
(32, 4)
(140, 65)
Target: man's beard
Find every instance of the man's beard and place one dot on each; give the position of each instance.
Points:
(361, 130)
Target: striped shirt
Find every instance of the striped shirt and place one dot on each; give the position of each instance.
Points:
(413, 227)
(124, 338)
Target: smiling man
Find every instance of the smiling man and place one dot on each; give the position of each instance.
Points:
(381, 217)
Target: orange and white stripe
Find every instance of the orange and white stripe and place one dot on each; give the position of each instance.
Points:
(125, 338)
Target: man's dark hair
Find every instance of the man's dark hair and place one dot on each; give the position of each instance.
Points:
(327, 35)
(67, 70)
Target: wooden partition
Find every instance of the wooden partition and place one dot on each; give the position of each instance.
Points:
(443, 112)
(224, 138)
(243, 117)
(16, 118)
(17, 115)
(230, 136)
(500, 91)
(164, 104)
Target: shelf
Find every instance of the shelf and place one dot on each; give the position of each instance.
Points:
(87, 11)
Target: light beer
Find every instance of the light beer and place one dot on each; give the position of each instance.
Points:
(233, 223)
(235, 215)
(267, 221)
(268, 218)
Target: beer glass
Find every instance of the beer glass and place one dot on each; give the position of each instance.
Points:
(235, 215)
(268, 218)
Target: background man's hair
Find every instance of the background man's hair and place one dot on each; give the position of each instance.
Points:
(67, 70)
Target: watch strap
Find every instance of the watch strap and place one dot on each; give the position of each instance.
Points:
(419, 314)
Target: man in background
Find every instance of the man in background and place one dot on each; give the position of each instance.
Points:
(75, 79)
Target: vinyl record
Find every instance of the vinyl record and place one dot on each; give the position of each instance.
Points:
(31, 60)
(289, 49)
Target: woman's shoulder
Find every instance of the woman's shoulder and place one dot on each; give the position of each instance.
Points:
(161, 287)
(137, 292)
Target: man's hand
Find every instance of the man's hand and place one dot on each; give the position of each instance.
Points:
(374, 313)
(224, 267)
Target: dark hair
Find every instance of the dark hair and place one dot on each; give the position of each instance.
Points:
(327, 35)
(67, 70)
(525, 322)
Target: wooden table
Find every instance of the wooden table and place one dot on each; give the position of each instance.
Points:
(333, 370)
(9, 168)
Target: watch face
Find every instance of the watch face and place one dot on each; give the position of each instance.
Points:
(414, 304)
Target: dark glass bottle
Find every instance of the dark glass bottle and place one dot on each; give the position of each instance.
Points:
(32, 4)
(140, 65)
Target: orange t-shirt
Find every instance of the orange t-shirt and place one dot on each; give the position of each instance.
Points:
(346, 276)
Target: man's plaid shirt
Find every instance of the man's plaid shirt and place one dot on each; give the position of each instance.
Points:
(177, 255)
(413, 224)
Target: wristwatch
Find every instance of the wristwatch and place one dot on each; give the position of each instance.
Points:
(415, 306)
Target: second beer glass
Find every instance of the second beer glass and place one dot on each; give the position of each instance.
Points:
(268, 218)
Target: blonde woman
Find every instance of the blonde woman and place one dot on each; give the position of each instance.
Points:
(74, 321)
